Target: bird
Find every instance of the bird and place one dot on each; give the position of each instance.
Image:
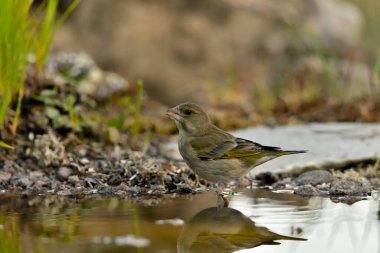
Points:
(214, 154)
(224, 230)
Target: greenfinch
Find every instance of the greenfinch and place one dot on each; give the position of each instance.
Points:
(214, 154)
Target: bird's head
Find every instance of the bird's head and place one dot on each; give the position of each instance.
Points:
(189, 118)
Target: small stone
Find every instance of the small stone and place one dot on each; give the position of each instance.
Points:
(31, 136)
(90, 182)
(169, 183)
(314, 177)
(64, 173)
(307, 190)
(349, 200)
(123, 187)
(114, 180)
(22, 181)
(73, 179)
(48, 150)
(4, 176)
(64, 193)
(184, 190)
(105, 190)
(120, 194)
(266, 178)
(282, 184)
(350, 186)
(84, 161)
(39, 184)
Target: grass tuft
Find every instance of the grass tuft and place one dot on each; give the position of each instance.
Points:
(139, 97)
(22, 33)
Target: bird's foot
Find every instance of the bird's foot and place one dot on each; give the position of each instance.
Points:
(221, 201)
(250, 179)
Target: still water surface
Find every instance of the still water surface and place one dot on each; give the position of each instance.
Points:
(256, 221)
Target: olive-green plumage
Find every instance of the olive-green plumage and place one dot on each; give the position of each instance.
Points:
(214, 154)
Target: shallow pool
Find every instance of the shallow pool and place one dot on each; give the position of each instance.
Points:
(256, 221)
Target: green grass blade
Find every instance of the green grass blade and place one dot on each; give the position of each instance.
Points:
(5, 145)
(139, 96)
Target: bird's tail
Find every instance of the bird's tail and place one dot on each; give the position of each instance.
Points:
(284, 237)
(291, 152)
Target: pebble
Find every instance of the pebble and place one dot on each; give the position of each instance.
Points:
(4, 176)
(22, 181)
(114, 180)
(314, 177)
(350, 186)
(184, 190)
(307, 190)
(90, 182)
(64, 173)
(266, 178)
(84, 161)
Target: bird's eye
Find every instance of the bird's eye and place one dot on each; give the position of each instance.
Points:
(187, 112)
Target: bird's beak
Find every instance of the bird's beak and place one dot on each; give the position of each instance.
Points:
(173, 113)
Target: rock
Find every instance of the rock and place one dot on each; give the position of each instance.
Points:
(283, 184)
(184, 190)
(90, 182)
(307, 190)
(84, 161)
(4, 176)
(114, 180)
(350, 186)
(168, 181)
(63, 173)
(349, 200)
(73, 179)
(9, 166)
(40, 184)
(22, 181)
(102, 85)
(93, 81)
(105, 190)
(266, 178)
(73, 64)
(314, 177)
(64, 193)
(48, 150)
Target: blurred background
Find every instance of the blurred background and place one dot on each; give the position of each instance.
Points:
(266, 60)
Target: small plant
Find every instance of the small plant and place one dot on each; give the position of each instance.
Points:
(139, 96)
(129, 117)
(4, 145)
(62, 111)
(16, 37)
(21, 33)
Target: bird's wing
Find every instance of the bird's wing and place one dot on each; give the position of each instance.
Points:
(245, 148)
(226, 243)
(212, 148)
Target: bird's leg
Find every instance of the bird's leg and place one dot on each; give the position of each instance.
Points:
(250, 179)
(221, 201)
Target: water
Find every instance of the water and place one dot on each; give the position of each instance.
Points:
(60, 224)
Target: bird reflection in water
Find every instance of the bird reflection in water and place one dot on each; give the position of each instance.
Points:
(224, 230)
